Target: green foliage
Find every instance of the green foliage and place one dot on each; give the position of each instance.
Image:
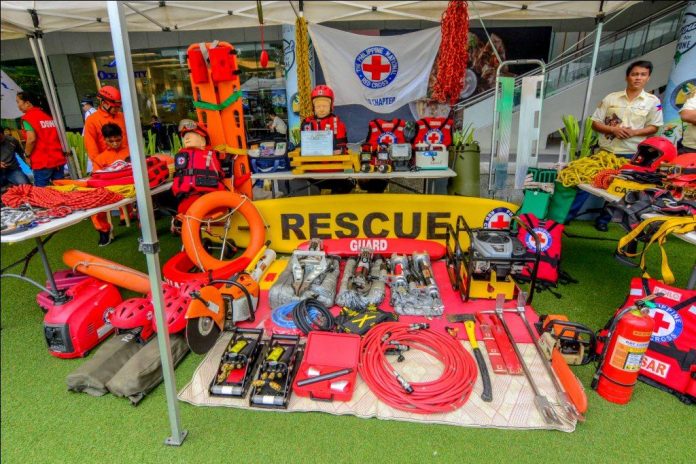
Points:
(151, 143)
(77, 143)
(589, 139)
(176, 143)
(570, 135)
(463, 137)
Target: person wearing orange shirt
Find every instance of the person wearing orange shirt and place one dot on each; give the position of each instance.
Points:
(109, 112)
(115, 151)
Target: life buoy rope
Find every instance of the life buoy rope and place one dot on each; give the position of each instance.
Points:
(201, 209)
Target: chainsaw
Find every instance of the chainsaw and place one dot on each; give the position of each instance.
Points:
(224, 303)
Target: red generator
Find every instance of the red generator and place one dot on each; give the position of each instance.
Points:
(73, 328)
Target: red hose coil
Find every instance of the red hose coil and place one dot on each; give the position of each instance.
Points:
(445, 394)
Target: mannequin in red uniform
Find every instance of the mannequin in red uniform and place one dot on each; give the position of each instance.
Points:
(324, 119)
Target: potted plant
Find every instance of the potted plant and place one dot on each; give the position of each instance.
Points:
(570, 135)
(465, 158)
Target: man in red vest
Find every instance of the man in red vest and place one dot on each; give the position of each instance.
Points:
(43, 148)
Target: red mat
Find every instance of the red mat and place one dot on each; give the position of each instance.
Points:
(453, 305)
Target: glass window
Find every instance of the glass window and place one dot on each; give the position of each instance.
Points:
(163, 85)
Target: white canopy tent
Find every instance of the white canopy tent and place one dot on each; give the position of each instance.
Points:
(37, 18)
(183, 15)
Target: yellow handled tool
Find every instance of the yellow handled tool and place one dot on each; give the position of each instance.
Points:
(470, 326)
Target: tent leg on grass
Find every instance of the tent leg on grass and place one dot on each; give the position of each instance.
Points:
(149, 244)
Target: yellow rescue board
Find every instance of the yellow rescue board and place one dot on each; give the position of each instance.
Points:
(291, 221)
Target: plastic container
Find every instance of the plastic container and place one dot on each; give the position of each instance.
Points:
(325, 353)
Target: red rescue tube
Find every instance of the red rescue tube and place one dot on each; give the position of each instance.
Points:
(107, 271)
(201, 209)
(178, 270)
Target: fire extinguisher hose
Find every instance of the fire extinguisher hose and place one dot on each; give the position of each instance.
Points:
(444, 394)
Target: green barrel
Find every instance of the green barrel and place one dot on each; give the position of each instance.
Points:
(466, 163)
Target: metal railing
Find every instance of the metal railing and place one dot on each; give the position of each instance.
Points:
(615, 49)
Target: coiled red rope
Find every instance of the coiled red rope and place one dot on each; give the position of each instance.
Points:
(444, 394)
(46, 197)
(454, 53)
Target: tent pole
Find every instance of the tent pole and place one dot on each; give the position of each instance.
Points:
(47, 86)
(590, 80)
(149, 244)
(58, 115)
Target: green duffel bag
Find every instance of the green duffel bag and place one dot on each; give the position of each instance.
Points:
(143, 372)
(92, 375)
(561, 201)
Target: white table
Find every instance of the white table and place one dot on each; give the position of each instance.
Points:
(689, 238)
(425, 175)
(55, 225)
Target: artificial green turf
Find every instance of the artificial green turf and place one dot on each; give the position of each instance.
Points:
(42, 422)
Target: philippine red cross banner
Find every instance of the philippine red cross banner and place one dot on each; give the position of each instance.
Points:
(381, 73)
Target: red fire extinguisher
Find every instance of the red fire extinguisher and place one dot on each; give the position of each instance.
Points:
(626, 342)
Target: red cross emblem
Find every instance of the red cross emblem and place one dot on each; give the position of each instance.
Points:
(542, 239)
(500, 221)
(434, 137)
(376, 68)
(386, 139)
(660, 322)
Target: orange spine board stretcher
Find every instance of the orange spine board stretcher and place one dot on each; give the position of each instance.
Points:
(108, 271)
(213, 80)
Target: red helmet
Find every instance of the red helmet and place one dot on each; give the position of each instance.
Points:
(323, 91)
(176, 302)
(189, 125)
(652, 152)
(132, 314)
(683, 168)
(110, 94)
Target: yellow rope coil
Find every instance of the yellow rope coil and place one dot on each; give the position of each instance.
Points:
(584, 170)
(304, 82)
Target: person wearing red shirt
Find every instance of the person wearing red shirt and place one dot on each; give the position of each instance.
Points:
(109, 112)
(43, 148)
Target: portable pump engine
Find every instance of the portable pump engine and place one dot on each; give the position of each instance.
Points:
(495, 258)
(494, 250)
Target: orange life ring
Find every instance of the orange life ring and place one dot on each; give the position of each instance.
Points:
(177, 270)
(201, 209)
(108, 271)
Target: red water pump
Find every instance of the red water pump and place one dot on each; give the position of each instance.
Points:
(626, 341)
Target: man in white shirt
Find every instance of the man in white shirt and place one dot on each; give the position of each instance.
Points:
(275, 124)
(688, 116)
(87, 107)
(624, 119)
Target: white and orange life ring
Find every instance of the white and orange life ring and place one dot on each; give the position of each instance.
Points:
(205, 207)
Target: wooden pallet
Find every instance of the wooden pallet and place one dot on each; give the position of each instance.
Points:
(304, 164)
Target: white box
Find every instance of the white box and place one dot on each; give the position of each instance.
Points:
(433, 159)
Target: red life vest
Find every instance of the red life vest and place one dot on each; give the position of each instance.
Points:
(550, 234)
(197, 171)
(48, 152)
(332, 123)
(434, 131)
(383, 132)
(670, 362)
